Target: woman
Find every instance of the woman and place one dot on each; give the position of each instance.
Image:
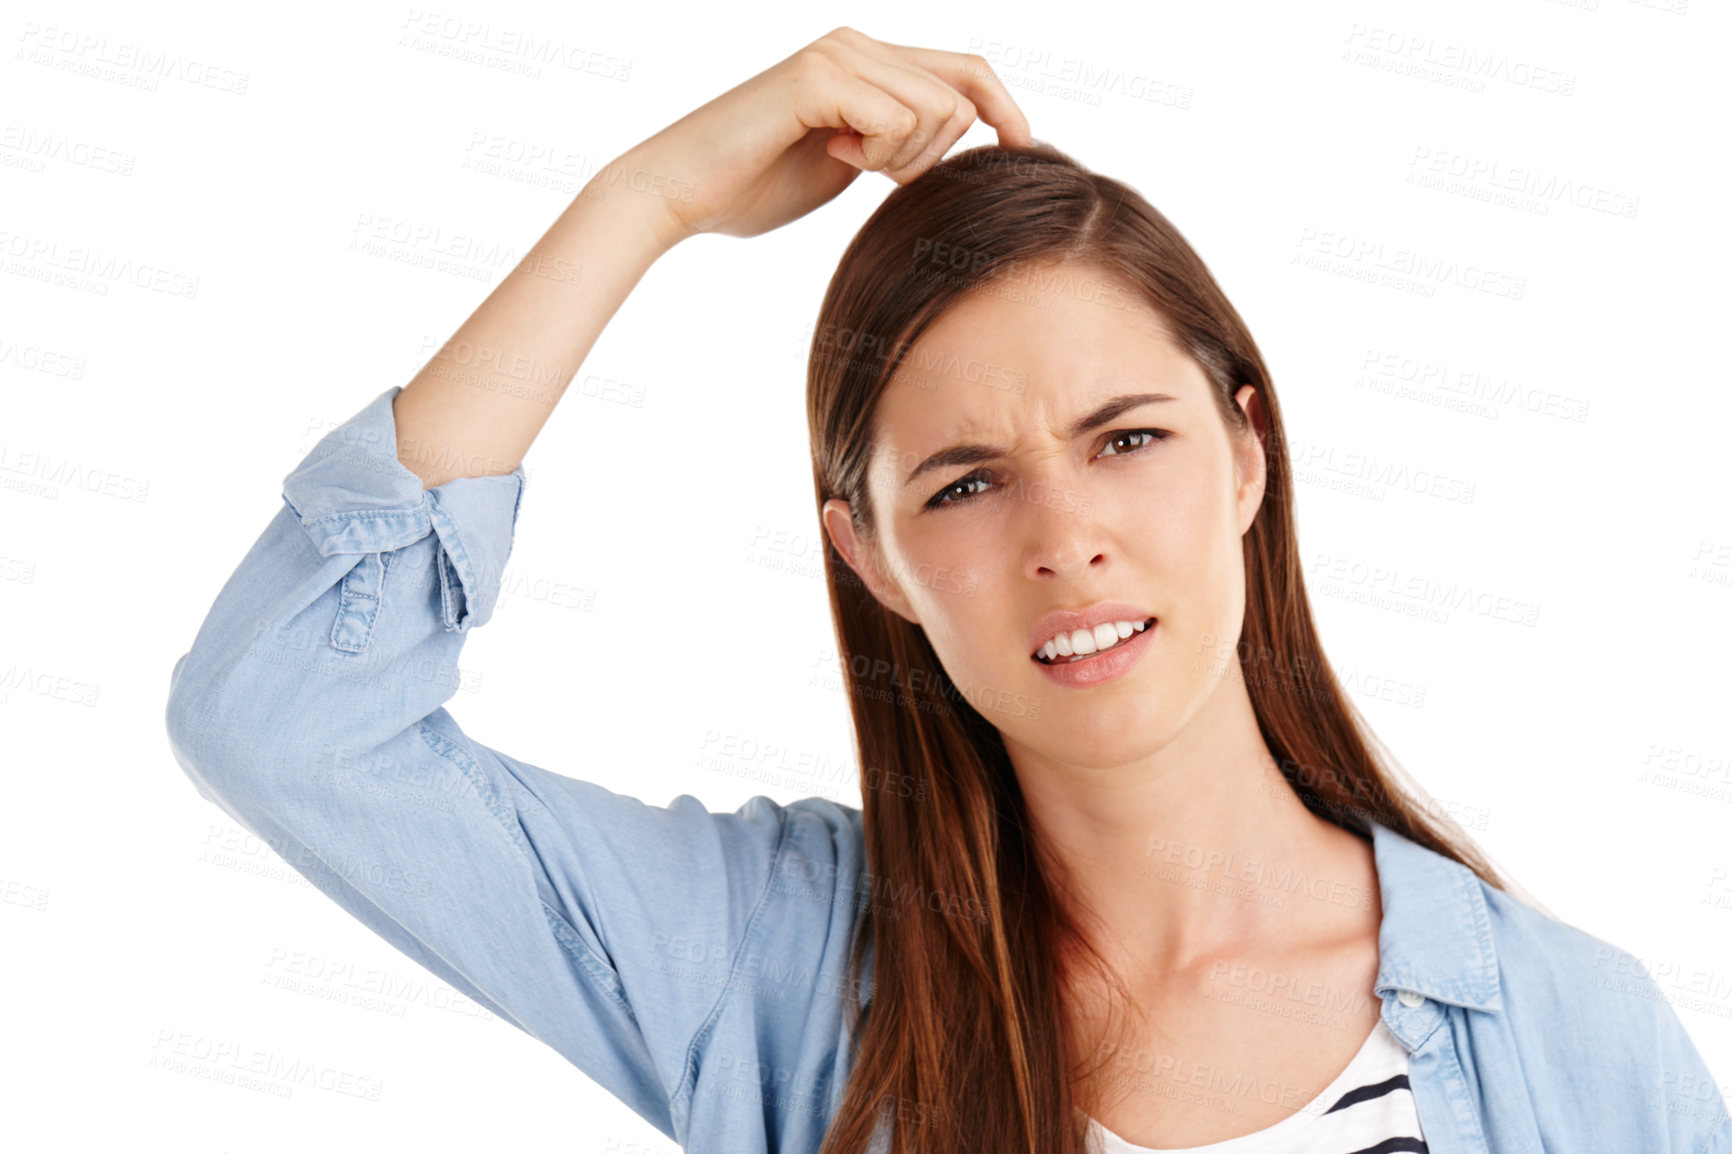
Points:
(1131, 873)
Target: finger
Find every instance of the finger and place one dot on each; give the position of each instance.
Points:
(972, 76)
(828, 95)
(934, 152)
(846, 146)
(933, 101)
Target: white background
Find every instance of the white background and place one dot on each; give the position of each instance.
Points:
(132, 907)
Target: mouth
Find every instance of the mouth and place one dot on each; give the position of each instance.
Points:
(1064, 648)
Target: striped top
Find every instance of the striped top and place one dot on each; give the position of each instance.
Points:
(1367, 1109)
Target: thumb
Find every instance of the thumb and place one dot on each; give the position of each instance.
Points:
(846, 146)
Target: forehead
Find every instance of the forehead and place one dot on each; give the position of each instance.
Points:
(1024, 358)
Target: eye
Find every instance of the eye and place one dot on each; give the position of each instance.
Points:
(1156, 434)
(938, 500)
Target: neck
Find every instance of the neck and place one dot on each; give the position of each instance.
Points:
(1194, 850)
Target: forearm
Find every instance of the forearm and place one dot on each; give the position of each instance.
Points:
(478, 404)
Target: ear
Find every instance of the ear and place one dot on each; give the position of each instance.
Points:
(1250, 458)
(863, 559)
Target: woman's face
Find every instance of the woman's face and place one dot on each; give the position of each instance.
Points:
(1056, 504)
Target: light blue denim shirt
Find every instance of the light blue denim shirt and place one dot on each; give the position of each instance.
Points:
(692, 962)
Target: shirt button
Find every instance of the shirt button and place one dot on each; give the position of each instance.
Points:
(1409, 998)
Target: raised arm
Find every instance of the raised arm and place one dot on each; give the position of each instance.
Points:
(760, 155)
(311, 705)
(466, 413)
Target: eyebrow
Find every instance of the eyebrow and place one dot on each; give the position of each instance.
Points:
(973, 453)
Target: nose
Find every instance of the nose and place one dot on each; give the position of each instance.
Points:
(1065, 563)
(1064, 537)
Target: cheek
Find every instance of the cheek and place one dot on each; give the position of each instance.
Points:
(1195, 562)
(962, 594)
(942, 584)
(945, 572)
(1182, 554)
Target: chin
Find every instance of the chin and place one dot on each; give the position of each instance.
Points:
(1091, 740)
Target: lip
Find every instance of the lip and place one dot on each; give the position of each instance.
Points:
(1070, 620)
(1107, 665)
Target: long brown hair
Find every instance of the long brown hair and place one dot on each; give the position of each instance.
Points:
(963, 1046)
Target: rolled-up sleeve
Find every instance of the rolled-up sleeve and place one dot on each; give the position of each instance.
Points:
(310, 708)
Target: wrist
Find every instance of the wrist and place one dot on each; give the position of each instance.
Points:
(646, 193)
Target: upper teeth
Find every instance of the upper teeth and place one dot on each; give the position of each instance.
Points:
(1080, 642)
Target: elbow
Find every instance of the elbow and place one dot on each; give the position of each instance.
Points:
(194, 736)
(253, 740)
(210, 740)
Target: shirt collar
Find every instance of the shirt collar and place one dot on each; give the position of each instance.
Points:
(1436, 934)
